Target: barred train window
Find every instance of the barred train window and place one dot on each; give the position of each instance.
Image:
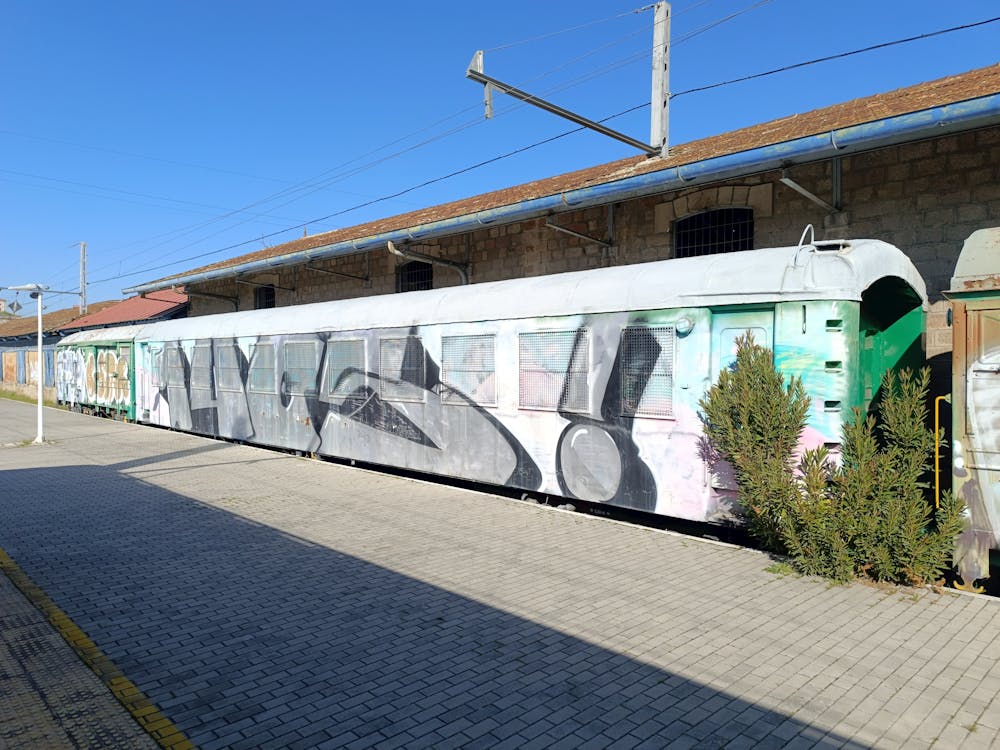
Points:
(201, 367)
(723, 230)
(175, 367)
(554, 367)
(227, 368)
(345, 367)
(647, 371)
(468, 365)
(262, 368)
(301, 364)
(401, 359)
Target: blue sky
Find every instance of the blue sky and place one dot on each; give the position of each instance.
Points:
(157, 132)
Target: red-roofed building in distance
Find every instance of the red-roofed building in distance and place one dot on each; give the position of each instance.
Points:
(165, 304)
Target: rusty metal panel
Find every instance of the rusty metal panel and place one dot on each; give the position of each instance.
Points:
(10, 367)
(975, 297)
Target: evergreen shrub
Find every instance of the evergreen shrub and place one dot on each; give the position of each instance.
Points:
(870, 515)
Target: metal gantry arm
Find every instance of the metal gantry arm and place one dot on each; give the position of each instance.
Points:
(660, 101)
(475, 72)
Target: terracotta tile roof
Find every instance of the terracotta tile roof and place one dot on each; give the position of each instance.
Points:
(154, 305)
(51, 321)
(943, 91)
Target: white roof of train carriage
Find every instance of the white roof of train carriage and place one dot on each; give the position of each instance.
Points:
(101, 335)
(840, 270)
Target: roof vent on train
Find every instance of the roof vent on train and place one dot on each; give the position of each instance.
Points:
(823, 246)
(832, 245)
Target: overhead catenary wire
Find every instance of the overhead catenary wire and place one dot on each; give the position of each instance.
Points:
(75, 183)
(325, 179)
(328, 177)
(410, 189)
(543, 142)
(578, 27)
(520, 150)
(837, 56)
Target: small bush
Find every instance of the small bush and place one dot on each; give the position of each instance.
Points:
(754, 420)
(870, 516)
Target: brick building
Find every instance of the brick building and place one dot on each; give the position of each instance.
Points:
(918, 167)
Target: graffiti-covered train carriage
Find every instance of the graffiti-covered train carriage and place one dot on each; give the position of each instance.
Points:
(584, 384)
(94, 374)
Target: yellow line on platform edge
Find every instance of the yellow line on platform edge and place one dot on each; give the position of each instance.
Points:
(140, 708)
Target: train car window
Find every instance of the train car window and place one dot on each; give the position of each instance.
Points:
(468, 368)
(175, 367)
(262, 369)
(554, 370)
(722, 230)
(227, 368)
(155, 365)
(646, 359)
(301, 365)
(345, 367)
(201, 367)
(401, 368)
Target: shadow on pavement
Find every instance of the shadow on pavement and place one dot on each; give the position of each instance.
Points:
(249, 637)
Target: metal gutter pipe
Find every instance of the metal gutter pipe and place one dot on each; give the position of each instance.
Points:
(461, 268)
(937, 121)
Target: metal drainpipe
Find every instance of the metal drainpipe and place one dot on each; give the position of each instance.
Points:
(462, 268)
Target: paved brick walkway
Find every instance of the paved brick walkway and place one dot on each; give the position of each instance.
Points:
(267, 601)
(48, 697)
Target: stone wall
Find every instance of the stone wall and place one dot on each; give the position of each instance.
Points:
(924, 197)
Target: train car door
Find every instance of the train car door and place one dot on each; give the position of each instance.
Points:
(975, 298)
(977, 480)
(142, 371)
(728, 325)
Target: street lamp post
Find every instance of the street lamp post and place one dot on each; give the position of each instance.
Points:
(36, 291)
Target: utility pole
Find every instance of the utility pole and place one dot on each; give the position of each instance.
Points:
(83, 278)
(659, 124)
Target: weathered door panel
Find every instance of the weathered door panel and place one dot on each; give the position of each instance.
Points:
(728, 326)
(976, 394)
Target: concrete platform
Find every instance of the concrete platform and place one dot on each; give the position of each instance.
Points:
(260, 600)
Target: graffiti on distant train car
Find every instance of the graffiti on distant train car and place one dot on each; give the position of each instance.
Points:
(113, 384)
(70, 381)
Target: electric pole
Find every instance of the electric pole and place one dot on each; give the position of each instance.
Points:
(83, 278)
(659, 125)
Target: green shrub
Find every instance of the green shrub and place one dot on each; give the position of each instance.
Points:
(870, 516)
(754, 420)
